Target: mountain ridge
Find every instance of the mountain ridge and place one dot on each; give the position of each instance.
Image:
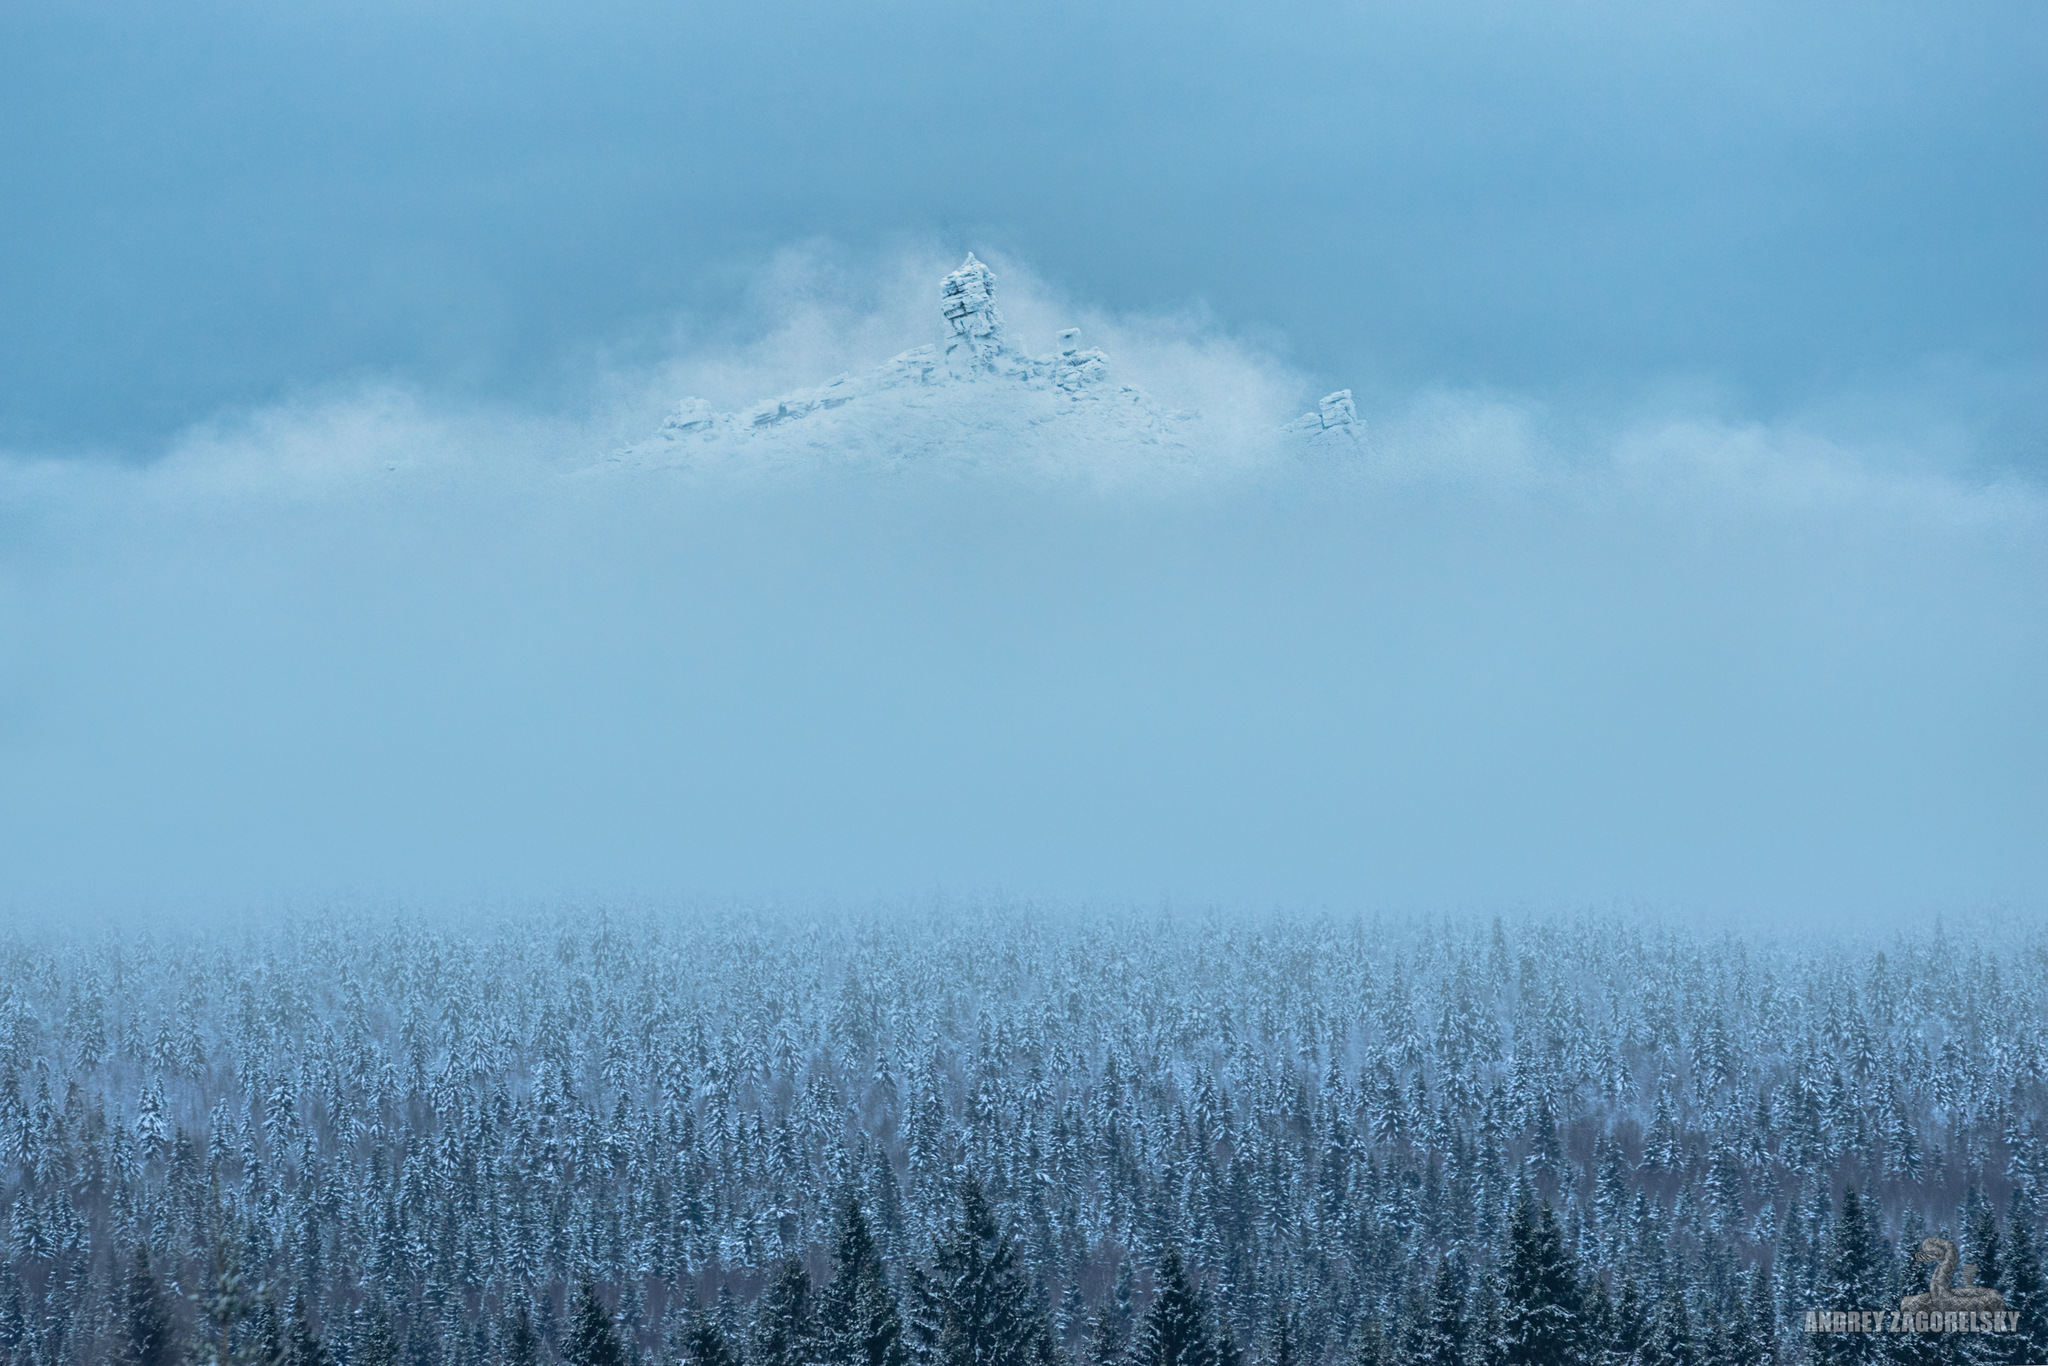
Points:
(972, 397)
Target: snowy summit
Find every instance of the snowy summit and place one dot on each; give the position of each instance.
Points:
(974, 396)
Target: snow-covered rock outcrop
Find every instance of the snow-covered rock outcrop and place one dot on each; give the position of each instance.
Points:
(1333, 428)
(976, 396)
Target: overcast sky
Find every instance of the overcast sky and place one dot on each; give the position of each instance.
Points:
(1767, 207)
(1696, 561)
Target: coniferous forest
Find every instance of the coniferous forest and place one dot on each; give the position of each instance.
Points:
(996, 1136)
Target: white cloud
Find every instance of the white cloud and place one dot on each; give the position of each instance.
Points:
(385, 640)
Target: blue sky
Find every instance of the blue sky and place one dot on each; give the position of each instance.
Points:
(1696, 561)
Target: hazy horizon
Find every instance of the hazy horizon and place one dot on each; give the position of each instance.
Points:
(1695, 559)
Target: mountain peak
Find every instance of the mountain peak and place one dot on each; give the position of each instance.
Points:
(967, 298)
(972, 397)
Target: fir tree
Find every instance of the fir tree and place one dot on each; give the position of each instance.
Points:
(1853, 1280)
(228, 1309)
(705, 1343)
(979, 1308)
(147, 1334)
(1105, 1343)
(270, 1329)
(374, 1345)
(1443, 1342)
(1073, 1314)
(593, 1337)
(1280, 1346)
(1413, 1330)
(1121, 1298)
(1670, 1341)
(522, 1344)
(1630, 1334)
(1760, 1310)
(859, 1323)
(303, 1346)
(1541, 1305)
(1369, 1345)
(1175, 1330)
(1984, 1250)
(1599, 1319)
(2024, 1287)
(784, 1323)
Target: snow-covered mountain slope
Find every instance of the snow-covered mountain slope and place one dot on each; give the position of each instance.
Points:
(974, 398)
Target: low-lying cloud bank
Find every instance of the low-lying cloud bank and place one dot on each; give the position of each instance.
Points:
(369, 643)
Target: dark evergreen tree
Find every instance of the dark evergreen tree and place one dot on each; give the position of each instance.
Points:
(727, 1311)
(1412, 1334)
(148, 1334)
(375, 1344)
(859, 1323)
(1122, 1298)
(1670, 1340)
(978, 1307)
(593, 1337)
(230, 1307)
(1105, 1343)
(1629, 1338)
(1853, 1279)
(1443, 1341)
(1599, 1321)
(705, 1343)
(1369, 1344)
(2024, 1286)
(1281, 1349)
(785, 1326)
(1072, 1319)
(303, 1346)
(522, 1344)
(1541, 1304)
(423, 1342)
(270, 1330)
(1760, 1312)
(1175, 1330)
(1984, 1249)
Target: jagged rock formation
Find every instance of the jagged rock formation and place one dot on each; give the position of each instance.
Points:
(968, 299)
(1334, 426)
(976, 395)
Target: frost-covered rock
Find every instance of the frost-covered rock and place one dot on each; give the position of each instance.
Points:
(1333, 428)
(975, 396)
(968, 299)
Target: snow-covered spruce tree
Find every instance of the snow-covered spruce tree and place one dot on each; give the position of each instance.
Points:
(1855, 1280)
(1103, 1345)
(1444, 1338)
(593, 1337)
(976, 1306)
(704, 1343)
(1281, 1349)
(785, 1324)
(304, 1346)
(859, 1323)
(148, 1333)
(1175, 1330)
(1542, 1307)
(2024, 1285)
(1759, 1342)
(409, 1129)
(1369, 1346)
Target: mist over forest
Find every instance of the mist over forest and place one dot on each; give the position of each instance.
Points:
(934, 684)
(987, 1133)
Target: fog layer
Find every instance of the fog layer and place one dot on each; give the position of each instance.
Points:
(384, 644)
